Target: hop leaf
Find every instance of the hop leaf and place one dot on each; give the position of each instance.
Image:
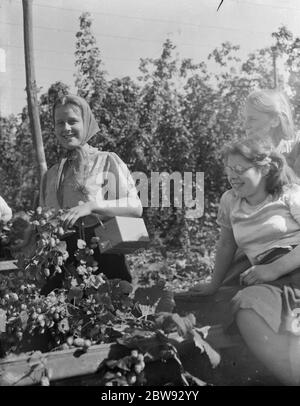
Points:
(149, 295)
(147, 310)
(75, 293)
(125, 287)
(97, 281)
(184, 325)
(61, 246)
(213, 356)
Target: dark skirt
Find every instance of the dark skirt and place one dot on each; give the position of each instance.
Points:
(113, 266)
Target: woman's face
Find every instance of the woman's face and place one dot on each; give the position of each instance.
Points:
(257, 123)
(246, 179)
(69, 126)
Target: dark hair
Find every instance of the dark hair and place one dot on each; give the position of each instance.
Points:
(260, 154)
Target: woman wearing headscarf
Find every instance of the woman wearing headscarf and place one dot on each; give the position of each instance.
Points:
(92, 185)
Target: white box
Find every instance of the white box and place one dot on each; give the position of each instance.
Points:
(122, 235)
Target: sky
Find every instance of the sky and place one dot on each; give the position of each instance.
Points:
(127, 30)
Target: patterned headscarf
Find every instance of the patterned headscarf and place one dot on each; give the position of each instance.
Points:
(77, 157)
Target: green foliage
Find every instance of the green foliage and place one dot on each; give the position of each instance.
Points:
(90, 79)
(8, 156)
(176, 117)
(52, 148)
(84, 307)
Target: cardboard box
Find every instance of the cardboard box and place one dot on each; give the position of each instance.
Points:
(122, 235)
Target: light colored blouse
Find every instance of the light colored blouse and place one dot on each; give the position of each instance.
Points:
(5, 211)
(108, 179)
(257, 229)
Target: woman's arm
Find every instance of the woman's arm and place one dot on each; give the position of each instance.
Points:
(130, 207)
(122, 201)
(287, 263)
(226, 248)
(270, 272)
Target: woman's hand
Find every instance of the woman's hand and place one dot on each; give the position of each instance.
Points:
(257, 274)
(204, 289)
(75, 213)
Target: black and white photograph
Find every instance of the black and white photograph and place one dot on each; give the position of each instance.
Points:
(149, 196)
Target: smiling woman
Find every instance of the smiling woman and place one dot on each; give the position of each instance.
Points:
(69, 126)
(268, 117)
(246, 179)
(260, 215)
(237, 169)
(73, 185)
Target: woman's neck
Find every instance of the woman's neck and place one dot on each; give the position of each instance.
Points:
(259, 195)
(257, 198)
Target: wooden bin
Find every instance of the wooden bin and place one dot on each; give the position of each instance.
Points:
(27, 369)
(74, 365)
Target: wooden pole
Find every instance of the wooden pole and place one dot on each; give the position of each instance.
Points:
(274, 57)
(31, 90)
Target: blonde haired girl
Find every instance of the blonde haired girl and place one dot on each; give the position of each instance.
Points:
(78, 183)
(268, 115)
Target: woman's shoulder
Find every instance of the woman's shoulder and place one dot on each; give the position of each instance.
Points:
(229, 195)
(228, 198)
(113, 160)
(114, 156)
(105, 154)
(99, 154)
(107, 161)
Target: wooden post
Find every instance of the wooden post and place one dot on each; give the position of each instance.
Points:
(274, 57)
(31, 90)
